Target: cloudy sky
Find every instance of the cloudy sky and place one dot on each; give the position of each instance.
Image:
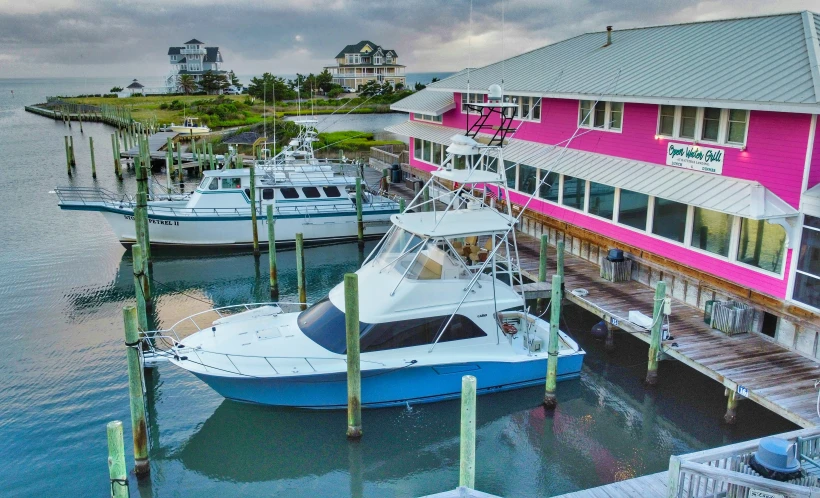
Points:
(58, 38)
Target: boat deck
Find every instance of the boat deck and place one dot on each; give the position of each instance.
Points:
(778, 379)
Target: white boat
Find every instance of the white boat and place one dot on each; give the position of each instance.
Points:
(436, 302)
(189, 127)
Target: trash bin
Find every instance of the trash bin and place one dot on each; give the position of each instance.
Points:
(395, 173)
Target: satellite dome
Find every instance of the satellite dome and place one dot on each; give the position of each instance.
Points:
(495, 93)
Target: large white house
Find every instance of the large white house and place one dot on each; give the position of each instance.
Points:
(365, 61)
(193, 58)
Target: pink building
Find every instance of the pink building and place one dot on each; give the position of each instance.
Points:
(695, 144)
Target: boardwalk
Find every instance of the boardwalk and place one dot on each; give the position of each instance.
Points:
(778, 379)
(156, 146)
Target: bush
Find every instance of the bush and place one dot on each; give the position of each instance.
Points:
(335, 92)
(115, 89)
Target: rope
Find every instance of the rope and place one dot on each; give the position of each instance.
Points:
(120, 482)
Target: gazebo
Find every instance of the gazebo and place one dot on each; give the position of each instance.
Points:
(135, 87)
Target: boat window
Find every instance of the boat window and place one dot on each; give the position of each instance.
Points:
(231, 183)
(204, 183)
(267, 194)
(324, 324)
(214, 184)
(417, 332)
(289, 193)
(332, 191)
(399, 242)
(311, 192)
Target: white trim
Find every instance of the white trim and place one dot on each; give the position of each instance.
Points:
(798, 231)
(585, 208)
(690, 223)
(801, 108)
(607, 116)
(616, 205)
(723, 128)
(650, 217)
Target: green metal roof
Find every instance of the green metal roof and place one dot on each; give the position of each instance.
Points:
(765, 61)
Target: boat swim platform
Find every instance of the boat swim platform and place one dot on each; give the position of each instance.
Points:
(779, 379)
(759, 369)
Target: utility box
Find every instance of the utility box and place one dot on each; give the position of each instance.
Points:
(731, 317)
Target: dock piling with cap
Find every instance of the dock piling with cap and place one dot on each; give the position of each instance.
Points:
(67, 155)
(542, 267)
(138, 266)
(117, 473)
(93, 165)
(71, 148)
(300, 270)
(550, 399)
(466, 473)
(655, 342)
(354, 375)
(135, 392)
(274, 284)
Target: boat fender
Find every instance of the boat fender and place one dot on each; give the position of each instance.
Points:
(599, 330)
(509, 329)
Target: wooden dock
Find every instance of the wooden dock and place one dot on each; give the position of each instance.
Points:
(157, 144)
(651, 486)
(751, 365)
(763, 371)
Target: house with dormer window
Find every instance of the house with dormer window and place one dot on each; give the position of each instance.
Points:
(365, 61)
(193, 58)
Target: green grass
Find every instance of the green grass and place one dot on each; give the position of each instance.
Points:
(351, 141)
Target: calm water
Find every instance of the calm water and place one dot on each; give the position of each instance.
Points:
(62, 373)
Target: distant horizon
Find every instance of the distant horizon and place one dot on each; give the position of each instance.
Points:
(144, 76)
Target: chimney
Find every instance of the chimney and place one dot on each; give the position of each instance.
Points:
(608, 36)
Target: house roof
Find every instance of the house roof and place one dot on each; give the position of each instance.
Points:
(135, 84)
(426, 102)
(357, 48)
(193, 41)
(174, 50)
(719, 193)
(753, 62)
(182, 61)
(245, 138)
(212, 54)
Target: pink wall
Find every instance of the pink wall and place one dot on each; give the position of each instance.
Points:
(814, 169)
(775, 148)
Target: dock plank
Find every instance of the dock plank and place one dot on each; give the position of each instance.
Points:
(650, 486)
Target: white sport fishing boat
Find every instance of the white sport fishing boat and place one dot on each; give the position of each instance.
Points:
(189, 127)
(437, 301)
(313, 196)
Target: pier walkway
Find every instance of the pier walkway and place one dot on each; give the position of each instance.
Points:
(651, 486)
(157, 144)
(756, 368)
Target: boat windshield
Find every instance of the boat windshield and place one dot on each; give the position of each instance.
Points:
(324, 323)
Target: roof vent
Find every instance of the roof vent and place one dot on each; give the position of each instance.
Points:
(608, 36)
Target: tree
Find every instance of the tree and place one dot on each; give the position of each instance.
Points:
(419, 86)
(269, 86)
(370, 89)
(186, 83)
(399, 86)
(213, 82)
(234, 80)
(386, 89)
(324, 81)
(434, 80)
(116, 89)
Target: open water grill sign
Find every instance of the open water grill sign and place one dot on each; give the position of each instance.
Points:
(695, 157)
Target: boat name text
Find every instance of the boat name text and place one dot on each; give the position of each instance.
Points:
(155, 222)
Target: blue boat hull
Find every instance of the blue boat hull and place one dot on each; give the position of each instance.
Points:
(381, 388)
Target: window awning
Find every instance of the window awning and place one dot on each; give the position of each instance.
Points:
(810, 202)
(719, 193)
(426, 102)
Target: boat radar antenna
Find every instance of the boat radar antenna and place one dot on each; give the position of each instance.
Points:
(494, 107)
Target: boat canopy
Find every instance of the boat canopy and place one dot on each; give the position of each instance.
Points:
(457, 223)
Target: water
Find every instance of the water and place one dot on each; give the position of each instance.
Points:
(63, 377)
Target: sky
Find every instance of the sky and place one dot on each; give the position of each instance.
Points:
(116, 38)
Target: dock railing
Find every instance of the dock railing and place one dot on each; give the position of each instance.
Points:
(725, 471)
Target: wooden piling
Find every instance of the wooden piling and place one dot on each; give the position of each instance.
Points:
(169, 163)
(139, 273)
(354, 378)
(117, 473)
(655, 342)
(610, 337)
(253, 211)
(550, 399)
(135, 392)
(73, 157)
(542, 268)
(401, 205)
(359, 218)
(93, 165)
(274, 285)
(559, 249)
(466, 473)
(300, 270)
(179, 162)
(141, 218)
(731, 407)
(115, 151)
(426, 198)
(211, 157)
(67, 155)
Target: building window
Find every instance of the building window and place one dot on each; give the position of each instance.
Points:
(807, 277)
(549, 187)
(436, 154)
(510, 169)
(377, 60)
(669, 219)
(529, 108)
(601, 200)
(427, 117)
(417, 146)
(709, 124)
(427, 152)
(574, 190)
(527, 179)
(633, 209)
(601, 115)
(711, 231)
(472, 98)
(762, 244)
